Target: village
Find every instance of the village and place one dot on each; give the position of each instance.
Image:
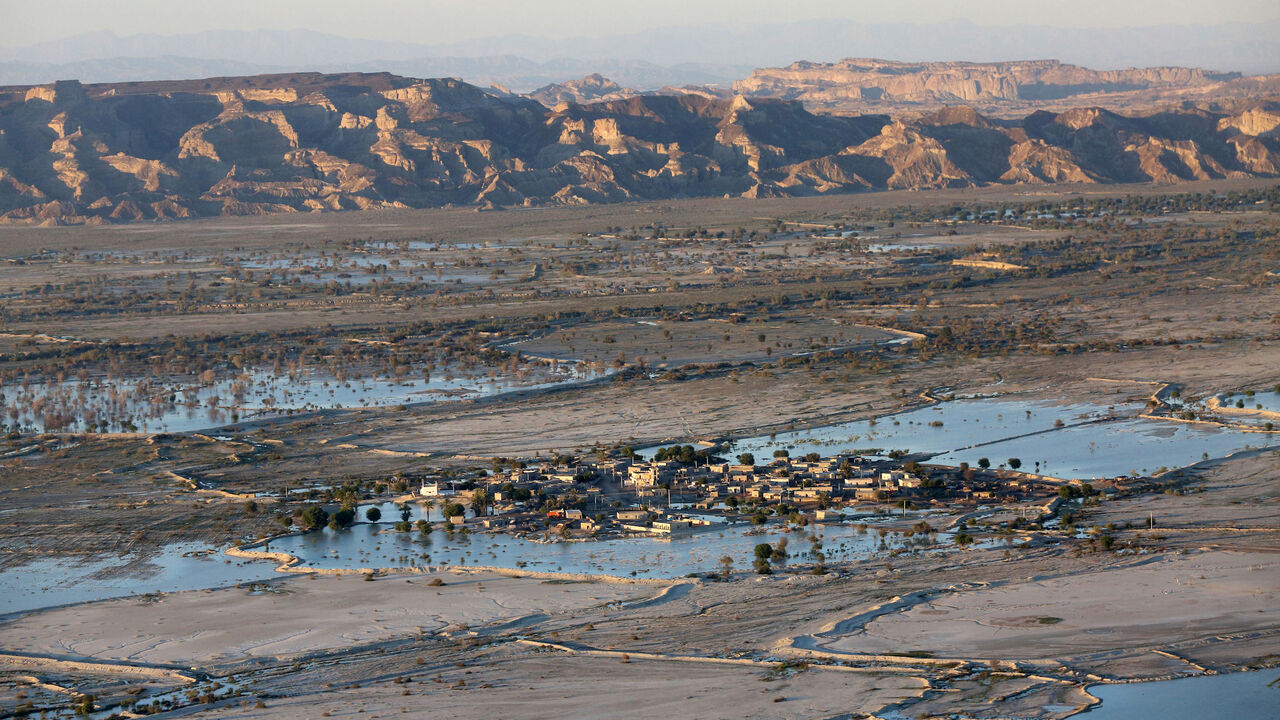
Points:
(683, 490)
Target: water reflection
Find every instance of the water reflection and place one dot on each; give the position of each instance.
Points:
(376, 546)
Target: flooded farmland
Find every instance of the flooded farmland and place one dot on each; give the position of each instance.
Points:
(159, 404)
(1070, 441)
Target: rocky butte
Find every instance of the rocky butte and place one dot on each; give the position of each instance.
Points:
(72, 153)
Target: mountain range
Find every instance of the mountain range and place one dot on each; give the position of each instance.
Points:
(1004, 89)
(645, 60)
(507, 72)
(73, 153)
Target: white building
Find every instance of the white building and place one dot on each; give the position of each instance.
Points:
(433, 488)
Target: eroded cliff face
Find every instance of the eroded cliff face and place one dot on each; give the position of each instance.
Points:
(859, 83)
(308, 142)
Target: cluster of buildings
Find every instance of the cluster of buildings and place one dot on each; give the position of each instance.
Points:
(796, 482)
(669, 497)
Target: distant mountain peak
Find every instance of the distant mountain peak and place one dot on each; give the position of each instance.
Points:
(591, 88)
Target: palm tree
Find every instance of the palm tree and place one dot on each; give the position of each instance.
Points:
(481, 501)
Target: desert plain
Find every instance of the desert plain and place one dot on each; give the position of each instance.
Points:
(400, 349)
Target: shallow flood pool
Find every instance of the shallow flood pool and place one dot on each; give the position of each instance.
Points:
(1133, 446)
(1265, 401)
(1253, 695)
(1080, 440)
(934, 429)
(194, 566)
(159, 405)
(378, 545)
(180, 566)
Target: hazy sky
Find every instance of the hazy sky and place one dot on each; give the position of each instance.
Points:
(433, 21)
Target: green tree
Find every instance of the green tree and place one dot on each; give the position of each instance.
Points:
(726, 567)
(779, 556)
(344, 517)
(373, 514)
(314, 517)
(1015, 463)
(747, 459)
(984, 463)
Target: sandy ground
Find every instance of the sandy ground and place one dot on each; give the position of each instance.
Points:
(559, 685)
(466, 225)
(342, 645)
(298, 615)
(1153, 602)
(676, 343)
(646, 410)
(709, 407)
(1225, 498)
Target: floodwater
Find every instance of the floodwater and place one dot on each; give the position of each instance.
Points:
(1134, 446)
(1253, 695)
(180, 566)
(1267, 401)
(1070, 441)
(378, 545)
(157, 405)
(195, 566)
(1080, 440)
(935, 429)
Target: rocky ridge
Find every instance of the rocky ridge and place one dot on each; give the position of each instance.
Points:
(592, 88)
(597, 88)
(72, 153)
(864, 83)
